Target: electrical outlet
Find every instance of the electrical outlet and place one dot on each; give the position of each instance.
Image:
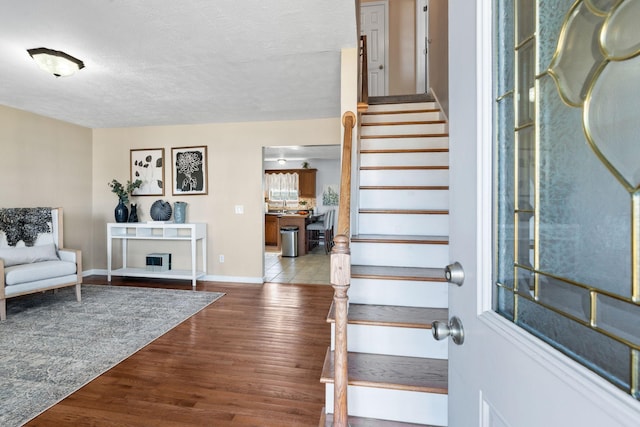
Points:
(239, 209)
(221, 258)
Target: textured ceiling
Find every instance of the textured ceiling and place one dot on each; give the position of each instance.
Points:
(166, 62)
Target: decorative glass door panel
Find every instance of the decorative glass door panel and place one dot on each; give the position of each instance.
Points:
(567, 178)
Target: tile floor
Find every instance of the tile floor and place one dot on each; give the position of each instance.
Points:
(312, 268)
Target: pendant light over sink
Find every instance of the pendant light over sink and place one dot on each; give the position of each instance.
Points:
(55, 62)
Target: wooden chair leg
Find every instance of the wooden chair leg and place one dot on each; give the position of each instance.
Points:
(3, 309)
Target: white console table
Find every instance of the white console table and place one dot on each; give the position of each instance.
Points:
(191, 233)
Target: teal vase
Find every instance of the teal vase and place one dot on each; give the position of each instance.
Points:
(180, 212)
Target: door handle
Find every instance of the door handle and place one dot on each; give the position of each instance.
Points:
(380, 67)
(454, 273)
(453, 329)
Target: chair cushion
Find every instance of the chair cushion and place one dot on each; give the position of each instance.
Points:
(28, 254)
(24, 273)
(319, 226)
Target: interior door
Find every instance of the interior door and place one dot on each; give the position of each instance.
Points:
(373, 24)
(501, 375)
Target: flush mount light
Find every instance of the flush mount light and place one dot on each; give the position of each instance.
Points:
(282, 161)
(55, 62)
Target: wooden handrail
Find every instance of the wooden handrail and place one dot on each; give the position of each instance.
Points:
(363, 101)
(344, 215)
(341, 277)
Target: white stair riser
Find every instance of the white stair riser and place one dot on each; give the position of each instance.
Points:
(396, 405)
(403, 107)
(430, 128)
(402, 117)
(404, 143)
(400, 224)
(400, 254)
(404, 199)
(404, 177)
(405, 159)
(406, 293)
(394, 341)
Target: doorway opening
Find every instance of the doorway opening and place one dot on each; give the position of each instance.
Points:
(317, 168)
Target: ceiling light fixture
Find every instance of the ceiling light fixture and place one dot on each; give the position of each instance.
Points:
(58, 63)
(282, 161)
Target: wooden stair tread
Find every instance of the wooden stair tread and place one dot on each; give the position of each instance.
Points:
(403, 168)
(378, 113)
(397, 273)
(387, 238)
(405, 211)
(391, 315)
(415, 135)
(413, 122)
(391, 372)
(404, 187)
(400, 99)
(405, 150)
(326, 420)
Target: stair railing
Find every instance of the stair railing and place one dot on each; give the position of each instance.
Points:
(341, 278)
(363, 97)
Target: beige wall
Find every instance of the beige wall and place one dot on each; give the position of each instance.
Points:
(235, 178)
(402, 47)
(46, 162)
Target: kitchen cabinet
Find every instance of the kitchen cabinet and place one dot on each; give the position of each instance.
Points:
(306, 180)
(271, 230)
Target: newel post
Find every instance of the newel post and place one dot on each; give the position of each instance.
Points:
(340, 280)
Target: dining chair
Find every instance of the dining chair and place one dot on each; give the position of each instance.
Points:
(320, 231)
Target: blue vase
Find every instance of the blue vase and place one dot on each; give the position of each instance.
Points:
(121, 212)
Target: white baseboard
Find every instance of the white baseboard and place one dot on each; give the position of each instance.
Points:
(208, 278)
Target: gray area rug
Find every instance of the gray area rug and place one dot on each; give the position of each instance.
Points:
(51, 345)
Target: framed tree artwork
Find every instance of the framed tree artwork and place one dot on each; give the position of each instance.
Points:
(189, 170)
(331, 195)
(147, 165)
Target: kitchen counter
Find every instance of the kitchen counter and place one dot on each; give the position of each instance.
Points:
(287, 219)
(289, 213)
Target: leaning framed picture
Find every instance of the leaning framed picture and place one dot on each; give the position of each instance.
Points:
(189, 170)
(147, 165)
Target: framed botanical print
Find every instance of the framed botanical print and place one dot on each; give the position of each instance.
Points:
(189, 170)
(331, 195)
(147, 165)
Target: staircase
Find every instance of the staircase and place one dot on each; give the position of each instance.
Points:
(397, 371)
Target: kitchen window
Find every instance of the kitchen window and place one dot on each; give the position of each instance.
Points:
(282, 187)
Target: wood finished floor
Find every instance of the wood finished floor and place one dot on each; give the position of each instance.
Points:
(252, 358)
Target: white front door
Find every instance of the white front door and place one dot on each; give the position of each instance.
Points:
(502, 375)
(373, 24)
